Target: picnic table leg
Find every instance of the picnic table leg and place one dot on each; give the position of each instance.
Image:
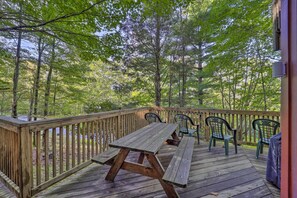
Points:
(141, 158)
(175, 136)
(175, 139)
(157, 166)
(117, 163)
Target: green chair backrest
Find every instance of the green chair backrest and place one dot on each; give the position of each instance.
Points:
(266, 129)
(218, 126)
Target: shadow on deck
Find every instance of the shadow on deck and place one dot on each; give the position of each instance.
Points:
(212, 175)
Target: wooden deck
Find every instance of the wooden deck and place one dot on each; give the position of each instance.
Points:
(260, 165)
(4, 192)
(212, 175)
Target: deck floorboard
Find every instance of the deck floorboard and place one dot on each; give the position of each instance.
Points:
(212, 174)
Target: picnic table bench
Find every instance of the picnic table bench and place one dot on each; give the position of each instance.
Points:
(106, 157)
(178, 170)
(147, 141)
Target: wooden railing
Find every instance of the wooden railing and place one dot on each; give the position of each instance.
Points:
(35, 155)
(11, 142)
(240, 120)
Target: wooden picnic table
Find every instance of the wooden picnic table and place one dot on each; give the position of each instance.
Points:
(148, 141)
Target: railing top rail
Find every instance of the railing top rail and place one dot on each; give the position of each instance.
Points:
(11, 121)
(55, 122)
(17, 122)
(204, 110)
(12, 124)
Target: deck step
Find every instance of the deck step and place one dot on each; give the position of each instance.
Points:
(178, 170)
(106, 156)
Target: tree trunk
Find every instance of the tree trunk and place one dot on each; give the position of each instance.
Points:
(234, 90)
(14, 107)
(229, 93)
(48, 81)
(200, 90)
(37, 78)
(31, 104)
(170, 90)
(157, 57)
(2, 103)
(170, 82)
(184, 65)
(264, 89)
(222, 91)
(54, 99)
(262, 80)
(184, 78)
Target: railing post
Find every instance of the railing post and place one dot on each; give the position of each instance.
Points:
(25, 162)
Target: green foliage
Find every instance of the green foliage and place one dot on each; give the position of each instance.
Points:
(93, 107)
(108, 54)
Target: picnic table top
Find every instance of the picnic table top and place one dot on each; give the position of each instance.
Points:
(148, 139)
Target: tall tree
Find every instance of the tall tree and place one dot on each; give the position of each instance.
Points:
(49, 79)
(14, 112)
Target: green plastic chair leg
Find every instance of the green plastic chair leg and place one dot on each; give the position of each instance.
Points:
(261, 150)
(214, 142)
(226, 144)
(258, 149)
(209, 143)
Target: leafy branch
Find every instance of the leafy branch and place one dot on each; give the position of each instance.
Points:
(52, 20)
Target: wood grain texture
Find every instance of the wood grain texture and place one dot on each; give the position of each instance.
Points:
(119, 160)
(157, 166)
(178, 170)
(115, 125)
(210, 172)
(104, 157)
(148, 139)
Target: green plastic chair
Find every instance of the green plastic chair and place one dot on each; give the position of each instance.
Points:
(184, 123)
(220, 130)
(152, 117)
(266, 128)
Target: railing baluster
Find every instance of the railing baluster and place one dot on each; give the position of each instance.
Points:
(73, 145)
(124, 125)
(114, 128)
(254, 132)
(88, 140)
(46, 153)
(93, 137)
(38, 157)
(67, 148)
(118, 126)
(78, 143)
(9, 156)
(239, 128)
(104, 132)
(2, 164)
(83, 142)
(110, 129)
(101, 135)
(54, 142)
(61, 158)
(97, 136)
